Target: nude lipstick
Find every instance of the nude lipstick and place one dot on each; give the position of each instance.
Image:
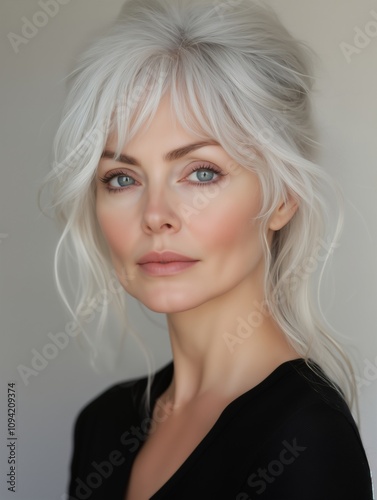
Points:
(165, 263)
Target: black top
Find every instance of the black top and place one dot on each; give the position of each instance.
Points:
(291, 437)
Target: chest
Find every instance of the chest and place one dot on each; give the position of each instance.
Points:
(169, 444)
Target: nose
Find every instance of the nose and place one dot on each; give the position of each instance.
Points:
(158, 212)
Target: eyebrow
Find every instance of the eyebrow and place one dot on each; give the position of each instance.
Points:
(176, 154)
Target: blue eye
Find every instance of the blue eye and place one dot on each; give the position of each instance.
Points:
(122, 180)
(205, 174)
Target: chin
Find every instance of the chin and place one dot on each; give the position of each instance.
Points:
(167, 309)
(168, 305)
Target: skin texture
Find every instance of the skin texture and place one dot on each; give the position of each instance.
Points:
(161, 211)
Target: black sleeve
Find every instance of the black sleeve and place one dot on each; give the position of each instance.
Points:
(317, 455)
(97, 434)
(86, 440)
(76, 458)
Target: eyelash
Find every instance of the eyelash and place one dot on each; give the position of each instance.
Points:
(118, 173)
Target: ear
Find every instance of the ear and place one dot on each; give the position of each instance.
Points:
(283, 213)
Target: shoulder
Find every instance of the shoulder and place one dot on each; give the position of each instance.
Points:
(298, 389)
(294, 390)
(311, 407)
(99, 425)
(309, 444)
(315, 453)
(115, 398)
(104, 419)
(103, 426)
(122, 400)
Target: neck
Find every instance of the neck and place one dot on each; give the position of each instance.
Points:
(224, 346)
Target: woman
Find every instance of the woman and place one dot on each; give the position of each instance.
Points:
(191, 174)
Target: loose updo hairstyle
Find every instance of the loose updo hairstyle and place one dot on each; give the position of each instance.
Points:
(236, 75)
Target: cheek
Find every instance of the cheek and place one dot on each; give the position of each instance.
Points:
(116, 229)
(228, 222)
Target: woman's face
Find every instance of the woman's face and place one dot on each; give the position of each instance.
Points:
(161, 204)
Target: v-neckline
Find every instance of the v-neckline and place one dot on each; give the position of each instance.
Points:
(222, 420)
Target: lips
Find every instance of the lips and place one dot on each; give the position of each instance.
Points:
(164, 264)
(164, 257)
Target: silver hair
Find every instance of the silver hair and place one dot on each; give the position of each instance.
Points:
(236, 75)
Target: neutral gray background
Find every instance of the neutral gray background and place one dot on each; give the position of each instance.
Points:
(32, 84)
